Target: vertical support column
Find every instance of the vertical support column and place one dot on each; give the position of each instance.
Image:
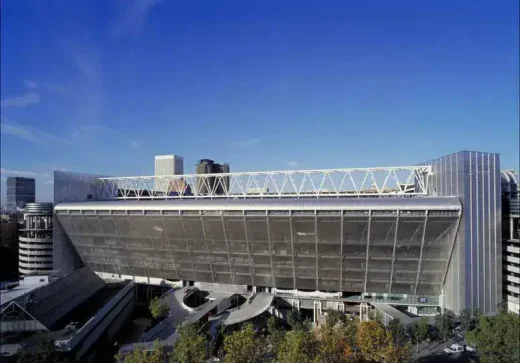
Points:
(188, 246)
(316, 250)
(250, 258)
(421, 253)
(228, 252)
(393, 253)
(270, 248)
(292, 247)
(368, 249)
(340, 287)
(117, 267)
(169, 245)
(130, 267)
(208, 254)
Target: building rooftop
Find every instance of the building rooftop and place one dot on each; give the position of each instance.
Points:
(48, 304)
(429, 203)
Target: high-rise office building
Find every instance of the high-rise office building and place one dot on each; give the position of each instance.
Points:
(169, 165)
(216, 184)
(20, 191)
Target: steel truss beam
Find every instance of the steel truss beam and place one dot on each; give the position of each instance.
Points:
(390, 181)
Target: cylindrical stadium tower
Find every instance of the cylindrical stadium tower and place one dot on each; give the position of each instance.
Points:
(35, 249)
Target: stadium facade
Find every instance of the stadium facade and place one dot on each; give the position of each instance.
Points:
(424, 235)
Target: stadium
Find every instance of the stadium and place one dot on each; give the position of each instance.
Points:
(425, 235)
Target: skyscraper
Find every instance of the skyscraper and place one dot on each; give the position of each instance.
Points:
(218, 184)
(20, 191)
(169, 165)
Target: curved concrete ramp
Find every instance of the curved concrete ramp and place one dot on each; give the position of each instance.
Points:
(254, 307)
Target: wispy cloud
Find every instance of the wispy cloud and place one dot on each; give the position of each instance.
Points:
(21, 132)
(26, 173)
(30, 84)
(31, 98)
(28, 133)
(44, 86)
(133, 17)
(49, 181)
(89, 130)
(293, 163)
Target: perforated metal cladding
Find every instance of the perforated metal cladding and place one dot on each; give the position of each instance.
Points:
(386, 253)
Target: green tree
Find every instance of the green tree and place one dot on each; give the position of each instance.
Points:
(376, 344)
(190, 346)
(397, 332)
(140, 354)
(466, 319)
(332, 345)
(243, 346)
(418, 331)
(45, 352)
(275, 335)
(497, 338)
(444, 324)
(295, 321)
(333, 317)
(397, 354)
(348, 330)
(372, 339)
(158, 309)
(299, 346)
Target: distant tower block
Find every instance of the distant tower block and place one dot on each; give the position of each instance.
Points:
(167, 165)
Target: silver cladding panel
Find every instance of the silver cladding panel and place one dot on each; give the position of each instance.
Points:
(334, 250)
(474, 279)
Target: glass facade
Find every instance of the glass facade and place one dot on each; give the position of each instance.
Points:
(20, 191)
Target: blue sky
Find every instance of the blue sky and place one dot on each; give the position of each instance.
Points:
(101, 86)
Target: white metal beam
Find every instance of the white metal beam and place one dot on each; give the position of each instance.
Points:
(354, 182)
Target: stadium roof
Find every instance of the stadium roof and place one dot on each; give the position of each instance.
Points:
(52, 302)
(311, 204)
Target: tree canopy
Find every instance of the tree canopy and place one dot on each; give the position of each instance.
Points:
(299, 346)
(190, 346)
(418, 331)
(45, 352)
(444, 324)
(376, 343)
(158, 309)
(497, 337)
(243, 346)
(138, 355)
(275, 335)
